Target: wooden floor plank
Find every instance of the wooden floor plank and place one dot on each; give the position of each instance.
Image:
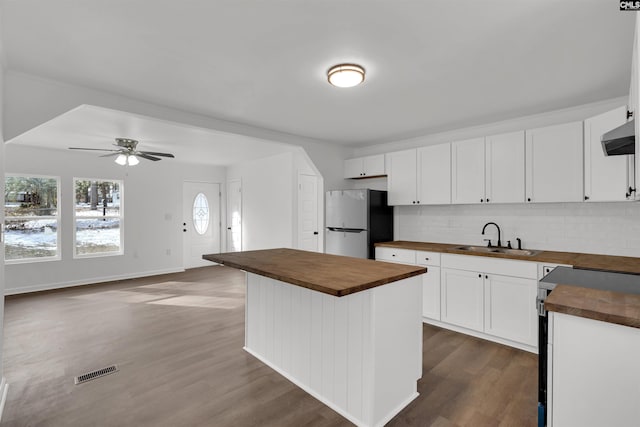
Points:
(178, 342)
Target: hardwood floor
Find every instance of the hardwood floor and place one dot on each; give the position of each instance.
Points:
(177, 340)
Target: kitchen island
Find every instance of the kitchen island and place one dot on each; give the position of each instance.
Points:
(346, 330)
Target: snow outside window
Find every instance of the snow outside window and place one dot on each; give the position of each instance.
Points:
(97, 217)
(32, 218)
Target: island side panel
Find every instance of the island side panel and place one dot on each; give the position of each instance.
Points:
(397, 345)
(337, 348)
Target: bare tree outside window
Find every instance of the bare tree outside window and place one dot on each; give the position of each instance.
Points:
(98, 217)
(31, 218)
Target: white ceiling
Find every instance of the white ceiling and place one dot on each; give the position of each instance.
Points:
(95, 127)
(431, 65)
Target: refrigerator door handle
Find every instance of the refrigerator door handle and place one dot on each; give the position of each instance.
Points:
(346, 230)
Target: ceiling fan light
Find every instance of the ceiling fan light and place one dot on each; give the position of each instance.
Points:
(345, 75)
(121, 159)
(132, 160)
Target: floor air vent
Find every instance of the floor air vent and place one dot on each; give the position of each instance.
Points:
(95, 374)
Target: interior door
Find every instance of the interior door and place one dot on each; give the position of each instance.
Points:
(201, 222)
(234, 216)
(308, 212)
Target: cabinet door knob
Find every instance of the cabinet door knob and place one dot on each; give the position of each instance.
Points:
(586, 197)
(426, 259)
(393, 254)
(486, 276)
(481, 200)
(418, 202)
(528, 199)
(487, 200)
(480, 276)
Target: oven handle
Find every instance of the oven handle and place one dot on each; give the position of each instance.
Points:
(540, 305)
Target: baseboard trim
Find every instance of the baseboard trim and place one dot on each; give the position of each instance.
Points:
(482, 335)
(92, 281)
(4, 390)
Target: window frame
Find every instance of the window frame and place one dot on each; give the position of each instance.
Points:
(58, 218)
(120, 217)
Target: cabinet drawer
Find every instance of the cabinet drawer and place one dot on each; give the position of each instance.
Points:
(428, 258)
(506, 267)
(403, 256)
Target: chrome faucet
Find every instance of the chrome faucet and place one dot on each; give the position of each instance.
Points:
(493, 223)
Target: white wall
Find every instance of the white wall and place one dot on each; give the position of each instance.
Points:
(267, 201)
(565, 115)
(152, 217)
(601, 228)
(32, 100)
(3, 383)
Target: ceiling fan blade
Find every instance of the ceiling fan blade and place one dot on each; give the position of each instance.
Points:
(153, 153)
(110, 154)
(148, 157)
(90, 149)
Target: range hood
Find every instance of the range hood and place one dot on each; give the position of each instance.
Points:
(621, 140)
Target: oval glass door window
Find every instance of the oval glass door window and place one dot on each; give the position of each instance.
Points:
(201, 213)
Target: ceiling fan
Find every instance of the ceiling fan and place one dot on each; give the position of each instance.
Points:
(127, 153)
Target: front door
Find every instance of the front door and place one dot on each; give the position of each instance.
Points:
(200, 222)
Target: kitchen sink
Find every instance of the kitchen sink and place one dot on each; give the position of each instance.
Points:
(496, 250)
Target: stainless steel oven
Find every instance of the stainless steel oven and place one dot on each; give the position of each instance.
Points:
(594, 279)
(544, 289)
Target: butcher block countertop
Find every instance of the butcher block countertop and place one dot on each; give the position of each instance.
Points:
(620, 264)
(331, 274)
(607, 306)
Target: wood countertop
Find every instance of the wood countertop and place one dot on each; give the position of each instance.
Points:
(620, 264)
(607, 306)
(331, 274)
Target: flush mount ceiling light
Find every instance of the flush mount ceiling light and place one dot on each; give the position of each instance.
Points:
(345, 75)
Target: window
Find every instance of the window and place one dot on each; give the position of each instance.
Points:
(97, 217)
(201, 213)
(31, 218)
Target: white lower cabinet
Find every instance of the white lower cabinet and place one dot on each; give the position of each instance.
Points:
(462, 296)
(431, 293)
(492, 298)
(430, 283)
(509, 308)
(595, 375)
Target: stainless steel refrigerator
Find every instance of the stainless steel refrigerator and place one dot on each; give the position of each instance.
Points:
(355, 220)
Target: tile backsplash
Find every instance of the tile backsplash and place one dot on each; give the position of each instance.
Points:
(599, 228)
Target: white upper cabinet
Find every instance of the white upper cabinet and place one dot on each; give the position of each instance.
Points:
(505, 168)
(606, 178)
(467, 171)
(554, 163)
(434, 174)
(402, 180)
(488, 170)
(420, 176)
(365, 167)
